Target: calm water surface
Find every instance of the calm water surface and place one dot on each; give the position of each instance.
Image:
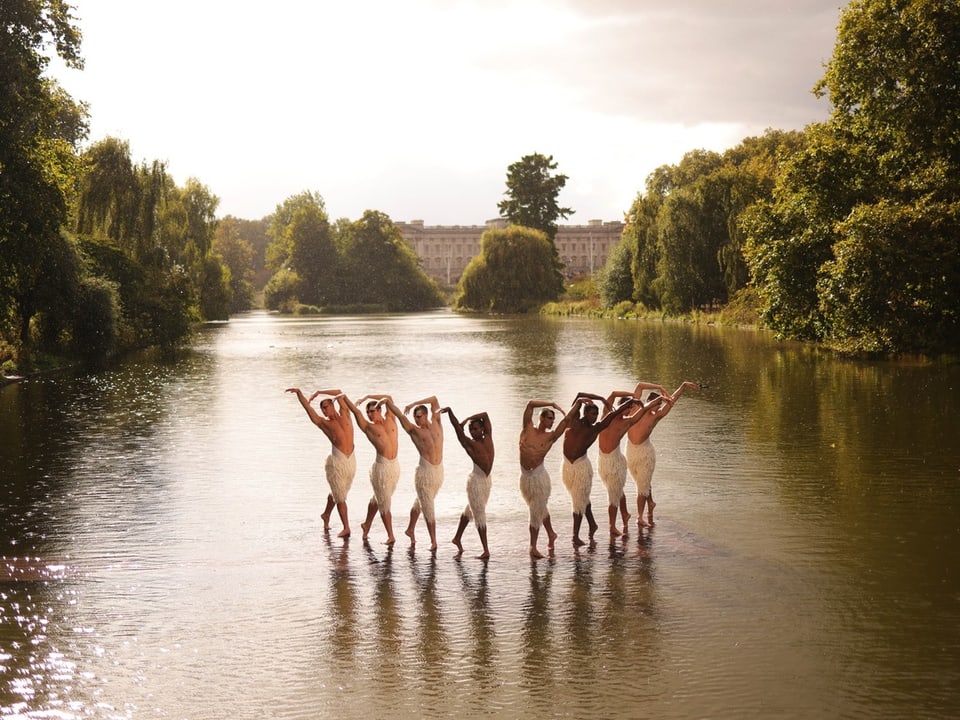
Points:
(162, 554)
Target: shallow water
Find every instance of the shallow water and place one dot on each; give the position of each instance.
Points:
(163, 554)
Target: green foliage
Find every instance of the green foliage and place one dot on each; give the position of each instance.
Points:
(581, 288)
(313, 255)
(640, 238)
(893, 285)
(624, 309)
(378, 268)
(214, 289)
(742, 308)
(513, 273)
(532, 194)
(858, 246)
(168, 309)
(96, 320)
(894, 86)
(684, 235)
(238, 256)
(282, 290)
(40, 127)
(614, 281)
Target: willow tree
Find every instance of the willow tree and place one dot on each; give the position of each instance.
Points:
(513, 273)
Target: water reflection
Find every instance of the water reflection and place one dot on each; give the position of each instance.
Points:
(802, 564)
(383, 649)
(430, 634)
(483, 655)
(537, 663)
(341, 631)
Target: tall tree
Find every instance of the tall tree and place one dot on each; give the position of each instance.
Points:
(532, 200)
(40, 128)
(532, 194)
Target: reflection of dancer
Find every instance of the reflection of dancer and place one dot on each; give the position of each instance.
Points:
(343, 603)
(535, 443)
(641, 455)
(611, 463)
(427, 436)
(482, 629)
(582, 430)
(432, 633)
(388, 619)
(479, 446)
(341, 464)
(381, 430)
(537, 662)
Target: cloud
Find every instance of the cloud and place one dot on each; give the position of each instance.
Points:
(416, 108)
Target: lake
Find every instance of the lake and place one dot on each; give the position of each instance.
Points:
(162, 553)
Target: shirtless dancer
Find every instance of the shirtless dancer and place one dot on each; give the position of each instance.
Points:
(582, 431)
(535, 443)
(641, 455)
(479, 447)
(427, 435)
(611, 464)
(381, 430)
(341, 464)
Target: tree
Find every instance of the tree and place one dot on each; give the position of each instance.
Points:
(238, 257)
(858, 247)
(302, 242)
(684, 233)
(513, 272)
(532, 193)
(40, 128)
(377, 267)
(532, 201)
(614, 282)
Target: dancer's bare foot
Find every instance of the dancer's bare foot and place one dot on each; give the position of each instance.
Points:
(365, 526)
(577, 542)
(412, 535)
(551, 540)
(614, 532)
(326, 521)
(345, 533)
(390, 540)
(536, 554)
(459, 547)
(484, 555)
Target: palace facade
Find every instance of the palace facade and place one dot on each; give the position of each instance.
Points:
(445, 250)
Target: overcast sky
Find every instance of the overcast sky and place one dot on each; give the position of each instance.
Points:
(416, 107)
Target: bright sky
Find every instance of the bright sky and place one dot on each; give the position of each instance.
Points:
(416, 107)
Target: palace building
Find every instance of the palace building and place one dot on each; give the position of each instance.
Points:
(445, 250)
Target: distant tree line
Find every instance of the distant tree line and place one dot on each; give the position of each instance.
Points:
(363, 264)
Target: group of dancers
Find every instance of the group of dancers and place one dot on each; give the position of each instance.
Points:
(626, 413)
